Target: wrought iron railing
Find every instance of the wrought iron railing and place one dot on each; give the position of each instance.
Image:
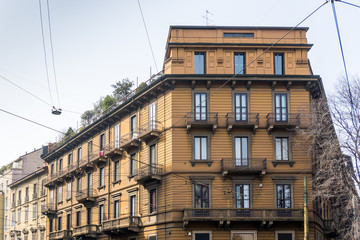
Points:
(235, 118)
(124, 222)
(276, 214)
(88, 193)
(291, 119)
(243, 165)
(60, 234)
(201, 118)
(149, 127)
(148, 171)
(128, 138)
(86, 229)
(48, 207)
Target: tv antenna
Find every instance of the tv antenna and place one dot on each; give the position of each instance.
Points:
(208, 20)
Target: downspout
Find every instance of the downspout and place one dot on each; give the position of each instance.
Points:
(2, 214)
(109, 176)
(165, 163)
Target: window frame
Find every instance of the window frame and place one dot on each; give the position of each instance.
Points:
(194, 232)
(116, 213)
(102, 141)
(241, 72)
(287, 104)
(208, 150)
(204, 181)
(284, 231)
(78, 218)
(69, 191)
(290, 161)
(155, 204)
(79, 155)
(117, 170)
(249, 147)
(207, 106)
(289, 181)
(132, 164)
(133, 130)
(117, 135)
(101, 213)
(232, 232)
(203, 70)
(60, 194)
(247, 182)
(282, 54)
(102, 177)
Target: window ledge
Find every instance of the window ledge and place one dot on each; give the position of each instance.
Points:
(68, 199)
(208, 162)
(116, 182)
(101, 187)
(131, 176)
(60, 202)
(275, 163)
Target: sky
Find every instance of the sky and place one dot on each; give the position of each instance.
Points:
(99, 42)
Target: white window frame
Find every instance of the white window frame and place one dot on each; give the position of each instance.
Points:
(285, 231)
(194, 232)
(117, 135)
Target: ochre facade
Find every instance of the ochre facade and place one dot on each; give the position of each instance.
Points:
(208, 150)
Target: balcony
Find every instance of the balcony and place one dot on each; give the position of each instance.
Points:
(149, 131)
(13, 204)
(242, 120)
(201, 120)
(282, 121)
(63, 234)
(226, 216)
(113, 149)
(43, 193)
(90, 230)
(249, 166)
(27, 199)
(148, 173)
(50, 180)
(129, 140)
(48, 209)
(121, 225)
(87, 196)
(19, 202)
(34, 196)
(327, 225)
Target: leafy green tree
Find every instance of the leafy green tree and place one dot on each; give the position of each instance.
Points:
(122, 88)
(107, 102)
(87, 116)
(141, 87)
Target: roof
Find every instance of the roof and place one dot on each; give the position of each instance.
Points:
(29, 176)
(237, 27)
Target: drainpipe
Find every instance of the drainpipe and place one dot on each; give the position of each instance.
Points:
(109, 175)
(306, 213)
(2, 214)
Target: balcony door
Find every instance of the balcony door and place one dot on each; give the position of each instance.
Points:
(241, 152)
(117, 135)
(90, 183)
(242, 194)
(152, 159)
(283, 197)
(281, 108)
(152, 116)
(133, 124)
(241, 107)
(133, 205)
(200, 107)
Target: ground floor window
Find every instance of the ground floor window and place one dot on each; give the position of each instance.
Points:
(285, 235)
(202, 235)
(243, 235)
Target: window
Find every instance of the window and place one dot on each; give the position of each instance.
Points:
(201, 196)
(13, 220)
(241, 107)
(241, 151)
(7, 186)
(117, 135)
(43, 187)
(26, 194)
(88, 216)
(117, 171)
(68, 194)
(60, 194)
(116, 209)
(35, 190)
(153, 201)
(60, 164)
(79, 155)
(90, 148)
(239, 63)
(68, 221)
(132, 164)
(202, 235)
(70, 159)
(242, 195)
(89, 187)
(6, 224)
(283, 195)
(279, 63)
(101, 213)
(133, 124)
(52, 169)
(102, 142)
(51, 223)
(78, 218)
(201, 151)
(152, 116)
(19, 197)
(199, 63)
(200, 106)
(153, 237)
(281, 109)
(248, 235)
(34, 211)
(78, 184)
(102, 176)
(152, 160)
(59, 223)
(133, 205)
(6, 204)
(239, 35)
(282, 148)
(26, 214)
(52, 196)
(19, 216)
(285, 235)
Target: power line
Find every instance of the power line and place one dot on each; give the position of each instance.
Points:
(52, 52)
(147, 34)
(26, 119)
(44, 49)
(351, 4)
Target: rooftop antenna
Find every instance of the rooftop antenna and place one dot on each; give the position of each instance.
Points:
(207, 17)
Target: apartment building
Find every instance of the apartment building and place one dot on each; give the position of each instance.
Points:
(208, 150)
(17, 169)
(28, 196)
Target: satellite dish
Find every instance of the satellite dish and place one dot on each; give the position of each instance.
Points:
(56, 111)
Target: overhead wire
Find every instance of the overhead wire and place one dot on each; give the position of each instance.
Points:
(351, 4)
(147, 34)
(26, 119)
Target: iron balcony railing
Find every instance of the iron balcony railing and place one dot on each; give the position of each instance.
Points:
(48, 208)
(130, 222)
(85, 195)
(129, 139)
(62, 234)
(152, 128)
(243, 214)
(51, 178)
(242, 119)
(244, 165)
(86, 229)
(34, 196)
(283, 120)
(27, 199)
(13, 204)
(148, 171)
(201, 118)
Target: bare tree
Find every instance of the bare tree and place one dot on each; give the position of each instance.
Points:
(336, 159)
